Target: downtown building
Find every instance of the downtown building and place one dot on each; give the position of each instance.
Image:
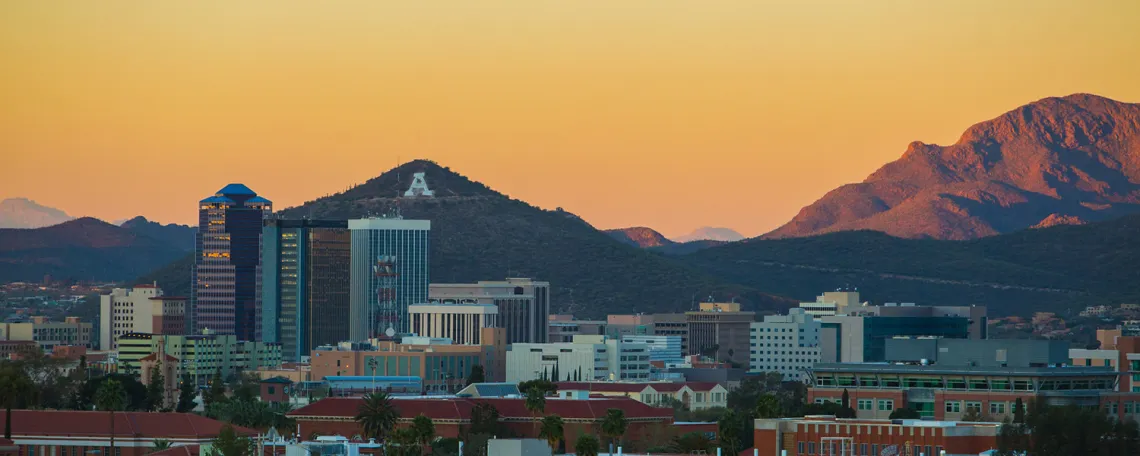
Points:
(720, 330)
(199, 355)
(388, 273)
(787, 344)
(586, 359)
(461, 323)
(523, 304)
(226, 280)
(142, 309)
(305, 284)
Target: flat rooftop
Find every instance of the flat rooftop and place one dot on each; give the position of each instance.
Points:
(883, 368)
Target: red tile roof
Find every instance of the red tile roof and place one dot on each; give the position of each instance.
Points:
(452, 408)
(74, 423)
(608, 387)
(183, 450)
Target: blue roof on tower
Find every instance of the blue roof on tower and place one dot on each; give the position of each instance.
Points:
(217, 199)
(258, 199)
(236, 189)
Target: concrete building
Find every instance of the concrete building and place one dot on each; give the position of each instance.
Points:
(827, 435)
(691, 395)
(305, 284)
(1124, 358)
(674, 324)
(524, 304)
(978, 353)
(720, 330)
(201, 355)
(666, 349)
(226, 278)
(462, 323)
(389, 272)
(629, 325)
(142, 309)
(563, 331)
(832, 303)
(587, 358)
(443, 367)
(862, 337)
(788, 344)
(977, 323)
(48, 334)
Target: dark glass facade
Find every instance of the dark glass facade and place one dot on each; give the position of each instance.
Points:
(305, 286)
(227, 268)
(876, 331)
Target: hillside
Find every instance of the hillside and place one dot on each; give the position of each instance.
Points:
(1072, 159)
(25, 213)
(85, 249)
(1052, 268)
(639, 236)
(479, 234)
(711, 233)
(178, 236)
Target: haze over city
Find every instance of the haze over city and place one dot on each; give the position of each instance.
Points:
(625, 113)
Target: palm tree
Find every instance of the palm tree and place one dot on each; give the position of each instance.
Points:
(614, 425)
(767, 406)
(552, 431)
(14, 385)
(161, 444)
(111, 396)
(424, 431)
(535, 403)
(587, 445)
(377, 415)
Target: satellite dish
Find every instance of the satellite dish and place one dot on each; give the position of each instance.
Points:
(389, 332)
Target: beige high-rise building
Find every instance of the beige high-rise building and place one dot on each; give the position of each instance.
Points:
(523, 304)
(462, 323)
(142, 309)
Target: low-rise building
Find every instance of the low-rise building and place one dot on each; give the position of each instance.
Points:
(12, 348)
(563, 330)
(1124, 358)
(827, 435)
(692, 395)
(587, 358)
(666, 349)
(831, 303)
(462, 323)
(199, 356)
(48, 334)
(787, 344)
(71, 432)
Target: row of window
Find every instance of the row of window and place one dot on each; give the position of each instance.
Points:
(844, 448)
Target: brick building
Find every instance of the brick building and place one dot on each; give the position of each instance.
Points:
(74, 433)
(335, 416)
(827, 435)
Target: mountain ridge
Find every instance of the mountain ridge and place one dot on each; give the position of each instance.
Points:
(25, 213)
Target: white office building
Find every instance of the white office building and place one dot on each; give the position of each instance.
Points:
(788, 344)
(462, 323)
(142, 309)
(661, 348)
(587, 358)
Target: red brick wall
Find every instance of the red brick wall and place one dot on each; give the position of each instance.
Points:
(766, 441)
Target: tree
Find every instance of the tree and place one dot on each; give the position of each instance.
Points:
(546, 386)
(111, 397)
(161, 444)
(554, 374)
(228, 443)
(691, 443)
(404, 441)
(973, 414)
(217, 391)
(477, 375)
(904, 413)
(767, 406)
(552, 431)
(1019, 411)
(377, 415)
(845, 400)
(156, 389)
(614, 425)
(186, 393)
(729, 428)
(535, 403)
(587, 445)
(424, 430)
(15, 387)
(578, 374)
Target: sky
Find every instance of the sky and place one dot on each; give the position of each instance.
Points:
(667, 114)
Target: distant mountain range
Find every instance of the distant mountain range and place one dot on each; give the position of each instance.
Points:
(1068, 160)
(710, 233)
(178, 236)
(25, 213)
(650, 239)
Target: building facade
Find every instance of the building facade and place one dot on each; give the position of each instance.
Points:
(524, 304)
(462, 323)
(827, 435)
(389, 272)
(305, 284)
(690, 395)
(720, 330)
(666, 349)
(832, 303)
(787, 344)
(142, 309)
(675, 324)
(73, 432)
(199, 356)
(1124, 358)
(587, 358)
(563, 331)
(49, 334)
(227, 267)
(862, 338)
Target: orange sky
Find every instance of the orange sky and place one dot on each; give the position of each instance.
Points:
(662, 113)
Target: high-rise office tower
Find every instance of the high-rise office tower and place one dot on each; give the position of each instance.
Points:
(389, 272)
(304, 284)
(227, 265)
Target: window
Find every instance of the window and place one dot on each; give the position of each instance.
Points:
(863, 449)
(997, 408)
(975, 405)
(866, 404)
(953, 406)
(800, 448)
(811, 447)
(886, 405)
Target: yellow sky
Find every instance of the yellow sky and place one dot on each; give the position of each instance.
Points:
(662, 113)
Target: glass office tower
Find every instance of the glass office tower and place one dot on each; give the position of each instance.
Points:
(389, 273)
(304, 297)
(227, 265)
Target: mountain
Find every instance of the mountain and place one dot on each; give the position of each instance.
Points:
(1069, 158)
(25, 213)
(710, 233)
(640, 236)
(479, 234)
(1058, 268)
(177, 236)
(83, 249)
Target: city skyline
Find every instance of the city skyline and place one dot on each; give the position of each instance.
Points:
(628, 115)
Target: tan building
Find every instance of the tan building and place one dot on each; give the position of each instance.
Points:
(142, 309)
(171, 376)
(722, 330)
(691, 395)
(48, 334)
(523, 304)
(443, 367)
(462, 323)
